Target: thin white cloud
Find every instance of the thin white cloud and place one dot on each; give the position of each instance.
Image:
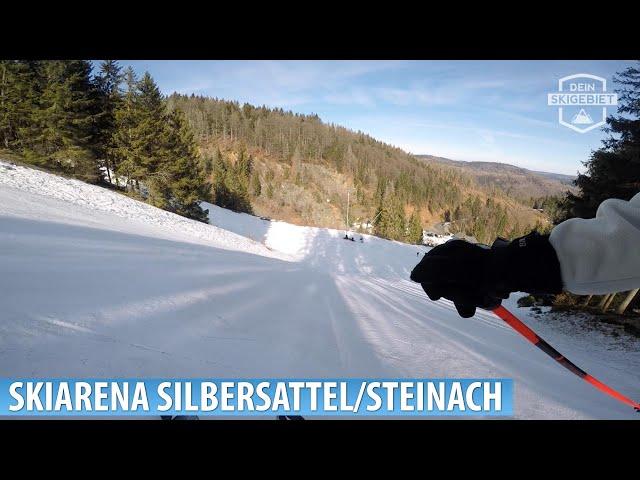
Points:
(491, 133)
(437, 95)
(331, 81)
(279, 79)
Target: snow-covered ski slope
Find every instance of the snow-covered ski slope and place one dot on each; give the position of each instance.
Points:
(95, 284)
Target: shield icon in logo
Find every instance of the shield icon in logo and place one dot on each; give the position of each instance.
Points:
(582, 118)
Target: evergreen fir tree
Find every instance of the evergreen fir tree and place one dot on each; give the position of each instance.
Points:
(396, 220)
(63, 121)
(414, 229)
(220, 195)
(184, 181)
(19, 91)
(125, 117)
(140, 135)
(148, 132)
(237, 186)
(381, 224)
(243, 166)
(107, 83)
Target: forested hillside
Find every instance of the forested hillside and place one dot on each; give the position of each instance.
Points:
(304, 170)
(109, 126)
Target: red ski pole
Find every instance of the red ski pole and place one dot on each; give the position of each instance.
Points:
(533, 337)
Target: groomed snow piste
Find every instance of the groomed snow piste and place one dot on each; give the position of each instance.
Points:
(95, 284)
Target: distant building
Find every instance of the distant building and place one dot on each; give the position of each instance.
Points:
(363, 226)
(440, 233)
(434, 238)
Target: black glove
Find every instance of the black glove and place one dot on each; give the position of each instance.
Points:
(472, 275)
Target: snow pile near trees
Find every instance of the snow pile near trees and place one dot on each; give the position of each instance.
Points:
(434, 240)
(95, 284)
(323, 248)
(75, 202)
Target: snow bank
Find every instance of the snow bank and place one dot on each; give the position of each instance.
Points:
(76, 202)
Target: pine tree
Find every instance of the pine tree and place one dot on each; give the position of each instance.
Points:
(243, 169)
(221, 195)
(237, 187)
(125, 117)
(232, 186)
(414, 230)
(63, 121)
(382, 221)
(19, 91)
(182, 181)
(140, 135)
(107, 83)
(148, 132)
(397, 222)
(613, 171)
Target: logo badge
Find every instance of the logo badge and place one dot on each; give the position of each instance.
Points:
(582, 100)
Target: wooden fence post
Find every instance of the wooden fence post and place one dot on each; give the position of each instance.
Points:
(603, 301)
(606, 305)
(625, 303)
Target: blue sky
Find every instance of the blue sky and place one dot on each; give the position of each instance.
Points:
(465, 110)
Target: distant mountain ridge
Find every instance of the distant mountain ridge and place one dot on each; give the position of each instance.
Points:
(560, 177)
(516, 181)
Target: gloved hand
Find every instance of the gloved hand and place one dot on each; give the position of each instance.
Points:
(472, 275)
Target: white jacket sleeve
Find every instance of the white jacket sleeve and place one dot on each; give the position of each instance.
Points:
(601, 254)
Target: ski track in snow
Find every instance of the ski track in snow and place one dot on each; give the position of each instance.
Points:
(95, 284)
